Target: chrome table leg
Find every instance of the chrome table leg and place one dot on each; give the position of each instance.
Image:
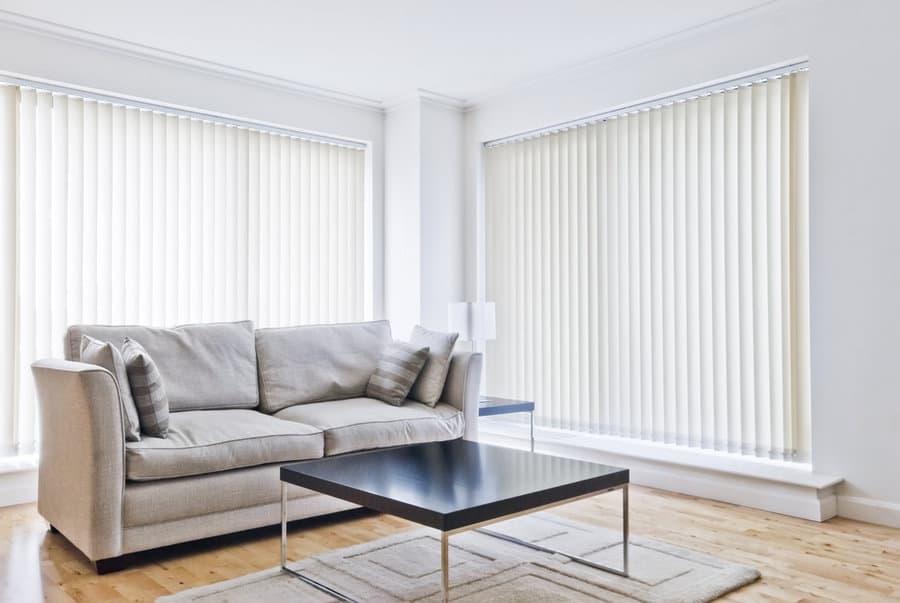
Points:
(532, 430)
(283, 525)
(583, 561)
(445, 567)
(625, 530)
(317, 585)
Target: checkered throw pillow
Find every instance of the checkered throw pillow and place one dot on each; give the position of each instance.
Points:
(396, 372)
(147, 389)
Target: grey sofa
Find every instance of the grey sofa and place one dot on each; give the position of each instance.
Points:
(243, 402)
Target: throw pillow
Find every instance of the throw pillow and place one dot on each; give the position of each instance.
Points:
(147, 389)
(430, 384)
(396, 371)
(105, 354)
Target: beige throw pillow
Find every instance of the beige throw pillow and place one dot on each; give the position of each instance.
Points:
(396, 371)
(147, 389)
(105, 354)
(430, 384)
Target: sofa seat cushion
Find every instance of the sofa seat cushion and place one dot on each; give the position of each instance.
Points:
(205, 441)
(365, 423)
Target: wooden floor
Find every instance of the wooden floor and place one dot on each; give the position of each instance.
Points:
(840, 560)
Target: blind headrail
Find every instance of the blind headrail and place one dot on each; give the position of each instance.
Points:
(659, 101)
(128, 101)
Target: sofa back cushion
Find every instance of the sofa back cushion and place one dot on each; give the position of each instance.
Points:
(316, 363)
(203, 366)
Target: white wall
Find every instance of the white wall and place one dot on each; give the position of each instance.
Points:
(442, 221)
(424, 207)
(855, 210)
(40, 56)
(855, 247)
(402, 250)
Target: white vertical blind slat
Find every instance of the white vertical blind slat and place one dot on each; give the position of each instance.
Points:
(131, 202)
(9, 101)
(172, 214)
(655, 341)
(58, 217)
(117, 219)
(157, 235)
(651, 272)
(799, 132)
(101, 169)
(25, 283)
(667, 137)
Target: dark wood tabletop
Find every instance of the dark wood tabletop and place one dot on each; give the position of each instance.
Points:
(453, 484)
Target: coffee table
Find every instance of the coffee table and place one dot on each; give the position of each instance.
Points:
(455, 486)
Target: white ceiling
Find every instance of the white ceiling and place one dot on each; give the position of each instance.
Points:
(386, 49)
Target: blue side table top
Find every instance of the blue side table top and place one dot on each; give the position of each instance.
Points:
(493, 405)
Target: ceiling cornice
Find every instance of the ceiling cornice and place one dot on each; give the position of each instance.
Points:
(428, 97)
(149, 53)
(442, 100)
(650, 45)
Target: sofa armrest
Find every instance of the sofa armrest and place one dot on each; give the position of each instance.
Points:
(81, 477)
(462, 388)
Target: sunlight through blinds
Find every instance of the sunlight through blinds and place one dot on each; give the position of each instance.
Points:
(650, 272)
(117, 214)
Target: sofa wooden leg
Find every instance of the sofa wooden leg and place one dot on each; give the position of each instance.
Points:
(113, 564)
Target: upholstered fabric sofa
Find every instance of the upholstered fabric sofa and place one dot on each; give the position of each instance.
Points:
(243, 402)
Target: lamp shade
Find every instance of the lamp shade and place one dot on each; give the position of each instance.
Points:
(458, 320)
(474, 321)
(484, 321)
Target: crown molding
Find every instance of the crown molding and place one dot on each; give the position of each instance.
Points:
(399, 102)
(148, 53)
(442, 100)
(649, 45)
(430, 97)
(105, 43)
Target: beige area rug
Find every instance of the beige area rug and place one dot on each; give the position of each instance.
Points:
(406, 567)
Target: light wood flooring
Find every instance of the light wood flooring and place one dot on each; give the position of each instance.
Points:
(840, 560)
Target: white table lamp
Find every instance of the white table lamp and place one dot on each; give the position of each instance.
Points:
(474, 321)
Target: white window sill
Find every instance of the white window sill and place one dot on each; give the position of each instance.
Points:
(17, 464)
(797, 474)
(18, 479)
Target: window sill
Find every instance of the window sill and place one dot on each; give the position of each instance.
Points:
(19, 463)
(783, 487)
(18, 479)
(799, 474)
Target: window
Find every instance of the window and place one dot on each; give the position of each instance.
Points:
(117, 214)
(650, 271)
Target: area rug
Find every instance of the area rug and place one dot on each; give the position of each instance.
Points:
(406, 568)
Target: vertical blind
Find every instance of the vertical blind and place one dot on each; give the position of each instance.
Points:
(116, 214)
(650, 272)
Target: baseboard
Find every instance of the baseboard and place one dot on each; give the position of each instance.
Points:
(18, 487)
(807, 498)
(869, 510)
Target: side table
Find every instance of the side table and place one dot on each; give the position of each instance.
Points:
(490, 406)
